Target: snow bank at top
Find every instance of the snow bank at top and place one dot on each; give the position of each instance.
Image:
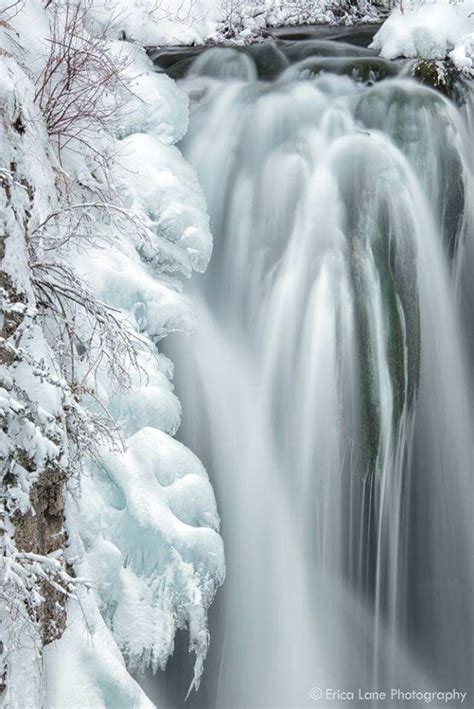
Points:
(166, 22)
(194, 22)
(434, 30)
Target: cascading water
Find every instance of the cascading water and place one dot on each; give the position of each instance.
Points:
(328, 388)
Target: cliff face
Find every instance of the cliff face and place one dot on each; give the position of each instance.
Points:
(41, 531)
(100, 215)
(32, 440)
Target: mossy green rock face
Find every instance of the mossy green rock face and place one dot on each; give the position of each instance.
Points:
(440, 75)
(420, 123)
(383, 266)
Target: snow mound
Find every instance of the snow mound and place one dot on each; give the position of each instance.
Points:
(150, 102)
(165, 188)
(152, 23)
(435, 30)
(151, 544)
(93, 672)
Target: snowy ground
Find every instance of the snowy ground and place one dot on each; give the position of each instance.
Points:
(240, 21)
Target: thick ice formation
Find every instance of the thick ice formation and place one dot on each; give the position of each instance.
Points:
(142, 523)
(86, 668)
(146, 519)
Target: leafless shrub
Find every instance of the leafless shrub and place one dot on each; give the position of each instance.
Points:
(231, 17)
(184, 13)
(86, 334)
(77, 94)
(93, 331)
(77, 89)
(11, 9)
(78, 223)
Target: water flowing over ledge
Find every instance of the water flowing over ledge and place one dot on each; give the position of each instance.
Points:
(328, 390)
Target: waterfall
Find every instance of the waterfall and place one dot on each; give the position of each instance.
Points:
(328, 389)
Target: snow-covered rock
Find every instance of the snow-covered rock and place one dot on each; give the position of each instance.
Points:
(432, 30)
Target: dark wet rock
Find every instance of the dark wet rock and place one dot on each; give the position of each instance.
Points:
(225, 63)
(175, 62)
(269, 60)
(42, 532)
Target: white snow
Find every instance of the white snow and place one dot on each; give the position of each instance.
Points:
(146, 518)
(433, 30)
(154, 23)
(194, 22)
(151, 102)
(166, 189)
(85, 668)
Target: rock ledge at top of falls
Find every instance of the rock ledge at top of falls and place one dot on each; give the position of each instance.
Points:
(321, 50)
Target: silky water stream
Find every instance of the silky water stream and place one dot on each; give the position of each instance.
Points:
(328, 389)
